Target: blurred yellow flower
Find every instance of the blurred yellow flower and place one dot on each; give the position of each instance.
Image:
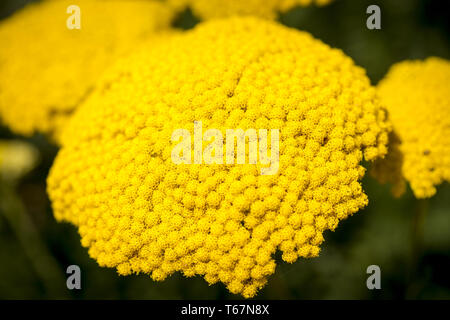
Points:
(269, 9)
(47, 70)
(139, 212)
(417, 96)
(17, 158)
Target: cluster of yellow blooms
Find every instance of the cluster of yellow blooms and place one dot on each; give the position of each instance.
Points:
(47, 70)
(139, 212)
(416, 94)
(269, 9)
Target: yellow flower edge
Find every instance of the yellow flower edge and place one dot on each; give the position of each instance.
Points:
(268, 9)
(47, 69)
(139, 212)
(416, 95)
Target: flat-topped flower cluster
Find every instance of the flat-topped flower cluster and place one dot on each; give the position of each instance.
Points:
(139, 212)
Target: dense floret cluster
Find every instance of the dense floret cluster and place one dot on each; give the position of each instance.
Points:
(139, 212)
(416, 94)
(269, 9)
(47, 70)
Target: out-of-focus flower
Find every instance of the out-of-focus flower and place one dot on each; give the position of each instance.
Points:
(139, 212)
(417, 96)
(47, 70)
(269, 9)
(17, 158)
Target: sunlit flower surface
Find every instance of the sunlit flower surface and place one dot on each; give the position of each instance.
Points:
(139, 212)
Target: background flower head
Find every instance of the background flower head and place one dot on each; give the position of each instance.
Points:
(416, 94)
(269, 9)
(47, 70)
(17, 158)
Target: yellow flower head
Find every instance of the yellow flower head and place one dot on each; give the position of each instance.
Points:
(17, 158)
(47, 69)
(416, 94)
(269, 9)
(139, 212)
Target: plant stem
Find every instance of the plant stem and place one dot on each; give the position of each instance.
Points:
(418, 228)
(417, 246)
(44, 264)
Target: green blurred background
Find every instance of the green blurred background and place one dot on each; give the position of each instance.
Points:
(408, 239)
